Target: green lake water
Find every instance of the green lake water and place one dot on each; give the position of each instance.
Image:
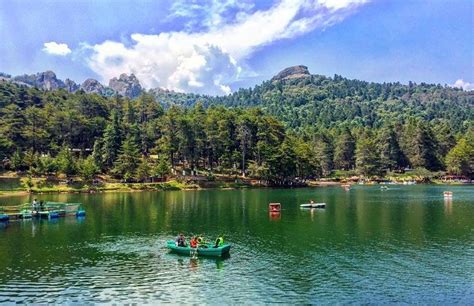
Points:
(403, 245)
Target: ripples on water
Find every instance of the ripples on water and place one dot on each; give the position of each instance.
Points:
(139, 269)
(292, 262)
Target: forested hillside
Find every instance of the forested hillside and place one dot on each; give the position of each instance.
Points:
(288, 129)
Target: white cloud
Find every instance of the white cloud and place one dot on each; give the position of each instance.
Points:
(56, 49)
(208, 59)
(464, 85)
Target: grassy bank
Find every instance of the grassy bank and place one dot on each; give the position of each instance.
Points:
(39, 185)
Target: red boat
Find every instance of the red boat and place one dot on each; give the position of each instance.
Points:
(274, 207)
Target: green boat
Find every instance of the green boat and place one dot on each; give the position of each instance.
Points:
(210, 250)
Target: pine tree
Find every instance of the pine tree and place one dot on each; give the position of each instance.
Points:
(128, 159)
(162, 167)
(344, 151)
(88, 169)
(16, 161)
(421, 146)
(65, 161)
(144, 169)
(367, 157)
(324, 153)
(98, 154)
(112, 139)
(391, 156)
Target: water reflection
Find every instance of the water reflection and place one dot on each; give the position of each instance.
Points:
(448, 205)
(400, 246)
(274, 216)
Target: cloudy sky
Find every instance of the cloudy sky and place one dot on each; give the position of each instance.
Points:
(215, 47)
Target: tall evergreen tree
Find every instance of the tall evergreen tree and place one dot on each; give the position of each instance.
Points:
(127, 161)
(367, 156)
(112, 139)
(391, 155)
(144, 169)
(344, 151)
(324, 152)
(421, 147)
(65, 161)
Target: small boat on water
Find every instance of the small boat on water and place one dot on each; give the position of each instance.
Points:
(313, 205)
(209, 250)
(448, 194)
(274, 207)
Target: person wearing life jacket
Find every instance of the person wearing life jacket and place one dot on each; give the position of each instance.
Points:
(201, 242)
(194, 242)
(219, 242)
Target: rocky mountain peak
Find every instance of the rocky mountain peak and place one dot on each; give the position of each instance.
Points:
(294, 72)
(44, 80)
(71, 86)
(93, 86)
(126, 85)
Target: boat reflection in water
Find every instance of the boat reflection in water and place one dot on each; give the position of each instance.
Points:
(448, 205)
(274, 215)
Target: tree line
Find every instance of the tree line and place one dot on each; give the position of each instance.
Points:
(46, 132)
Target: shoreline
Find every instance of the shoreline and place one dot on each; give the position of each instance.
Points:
(176, 186)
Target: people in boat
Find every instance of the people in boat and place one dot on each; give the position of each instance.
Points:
(194, 242)
(41, 205)
(311, 202)
(180, 240)
(219, 242)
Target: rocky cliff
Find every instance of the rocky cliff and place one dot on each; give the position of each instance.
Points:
(294, 72)
(126, 85)
(43, 80)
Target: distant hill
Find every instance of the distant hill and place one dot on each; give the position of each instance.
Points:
(301, 99)
(125, 85)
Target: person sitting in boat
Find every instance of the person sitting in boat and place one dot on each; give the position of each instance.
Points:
(181, 241)
(311, 202)
(193, 243)
(219, 242)
(201, 242)
(41, 205)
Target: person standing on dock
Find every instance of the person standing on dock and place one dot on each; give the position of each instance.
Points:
(34, 205)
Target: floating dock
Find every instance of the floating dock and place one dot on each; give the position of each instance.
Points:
(49, 210)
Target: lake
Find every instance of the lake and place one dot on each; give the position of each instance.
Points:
(402, 245)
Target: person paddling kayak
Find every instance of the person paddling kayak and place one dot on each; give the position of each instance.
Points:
(219, 242)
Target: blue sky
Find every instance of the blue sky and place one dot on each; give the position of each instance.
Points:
(217, 46)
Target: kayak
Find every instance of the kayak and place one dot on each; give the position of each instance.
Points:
(313, 205)
(200, 251)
